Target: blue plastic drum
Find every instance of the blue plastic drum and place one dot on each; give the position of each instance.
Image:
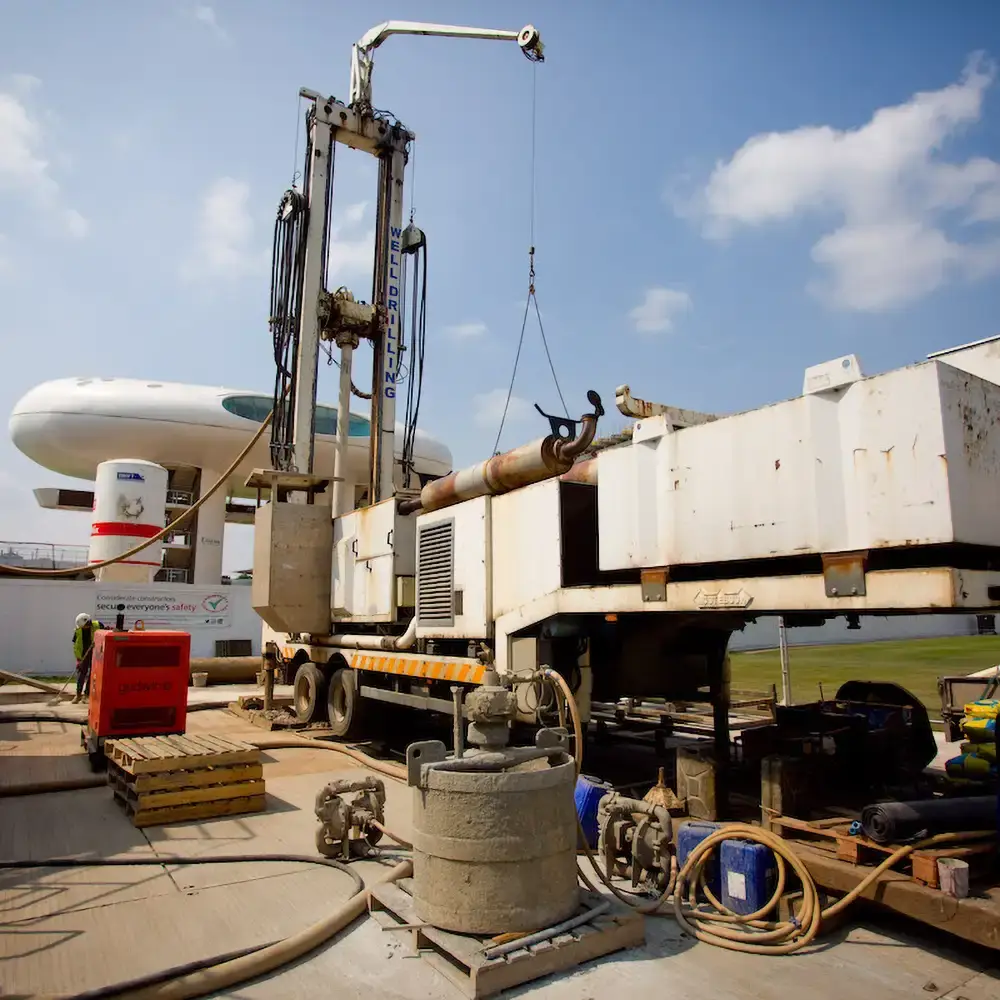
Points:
(588, 794)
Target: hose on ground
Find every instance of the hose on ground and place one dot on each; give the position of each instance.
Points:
(118, 989)
(750, 933)
(216, 974)
(11, 713)
(376, 825)
(390, 770)
(172, 526)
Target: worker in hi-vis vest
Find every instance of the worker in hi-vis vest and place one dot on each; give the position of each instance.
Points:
(83, 650)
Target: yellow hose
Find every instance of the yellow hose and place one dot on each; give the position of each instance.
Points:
(750, 933)
(176, 522)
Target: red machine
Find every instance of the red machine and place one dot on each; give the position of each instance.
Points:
(138, 686)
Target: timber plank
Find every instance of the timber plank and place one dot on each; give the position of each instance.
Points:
(460, 957)
(200, 810)
(182, 796)
(975, 918)
(170, 780)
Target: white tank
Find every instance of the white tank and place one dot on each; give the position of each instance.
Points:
(130, 497)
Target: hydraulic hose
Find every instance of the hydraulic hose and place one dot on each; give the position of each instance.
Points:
(560, 682)
(175, 523)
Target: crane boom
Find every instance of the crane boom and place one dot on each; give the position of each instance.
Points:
(362, 53)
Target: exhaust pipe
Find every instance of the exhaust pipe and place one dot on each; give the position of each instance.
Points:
(530, 463)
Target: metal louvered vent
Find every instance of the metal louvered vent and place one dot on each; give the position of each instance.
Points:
(436, 574)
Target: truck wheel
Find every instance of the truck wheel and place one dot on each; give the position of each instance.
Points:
(344, 704)
(309, 693)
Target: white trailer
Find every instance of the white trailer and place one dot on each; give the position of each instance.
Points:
(624, 568)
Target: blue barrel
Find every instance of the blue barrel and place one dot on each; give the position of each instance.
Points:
(588, 794)
(689, 835)
(749, 874)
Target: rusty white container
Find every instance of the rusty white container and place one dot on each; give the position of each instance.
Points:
(494, 840)
(904, 459)
(130, 497)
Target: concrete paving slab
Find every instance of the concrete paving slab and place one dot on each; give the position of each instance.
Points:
(70, 824)
(77, 951)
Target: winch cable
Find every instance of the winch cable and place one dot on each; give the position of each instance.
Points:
(532, 297)
(172, 526)
(749, 933)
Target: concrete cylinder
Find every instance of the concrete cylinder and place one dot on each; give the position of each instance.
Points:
(495, 851)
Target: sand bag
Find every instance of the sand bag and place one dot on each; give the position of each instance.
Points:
(985, 708)
(979, 730)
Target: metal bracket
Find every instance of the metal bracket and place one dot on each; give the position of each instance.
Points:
(563, 427)
(653, 584)
(844, 574)
(418, 754)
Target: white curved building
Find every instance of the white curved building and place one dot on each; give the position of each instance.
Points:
(70, 426)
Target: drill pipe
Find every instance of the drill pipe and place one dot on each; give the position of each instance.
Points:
(530, 463)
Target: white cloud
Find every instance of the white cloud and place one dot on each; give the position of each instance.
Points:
(488, 408)
(225, 246)
(886, 183)
(467, 331)
(658, 309)
(24, 169)
(207, 16)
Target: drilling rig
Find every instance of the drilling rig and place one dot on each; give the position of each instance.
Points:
(624, 567)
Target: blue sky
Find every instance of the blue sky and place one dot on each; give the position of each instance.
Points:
(726, 193)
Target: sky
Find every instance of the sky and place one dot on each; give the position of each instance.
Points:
(721, 194)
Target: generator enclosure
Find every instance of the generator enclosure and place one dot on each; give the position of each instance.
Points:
(138, 683)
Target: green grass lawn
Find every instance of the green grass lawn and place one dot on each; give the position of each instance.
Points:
(915, 664)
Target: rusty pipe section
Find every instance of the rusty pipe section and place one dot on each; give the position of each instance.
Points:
(530, 463)
(582, 472)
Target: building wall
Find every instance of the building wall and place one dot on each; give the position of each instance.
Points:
(763, 634)
(37, 617)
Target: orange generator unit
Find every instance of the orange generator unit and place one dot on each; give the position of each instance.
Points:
(138, 686)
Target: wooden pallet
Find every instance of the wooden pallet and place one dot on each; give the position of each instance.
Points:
(143, 754)
(170, 779)
(460, 957)
(921, 866)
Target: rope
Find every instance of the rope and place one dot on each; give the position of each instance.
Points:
(532, 297)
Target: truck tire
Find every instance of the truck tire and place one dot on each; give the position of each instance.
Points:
(309, 695)
(344, 704)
